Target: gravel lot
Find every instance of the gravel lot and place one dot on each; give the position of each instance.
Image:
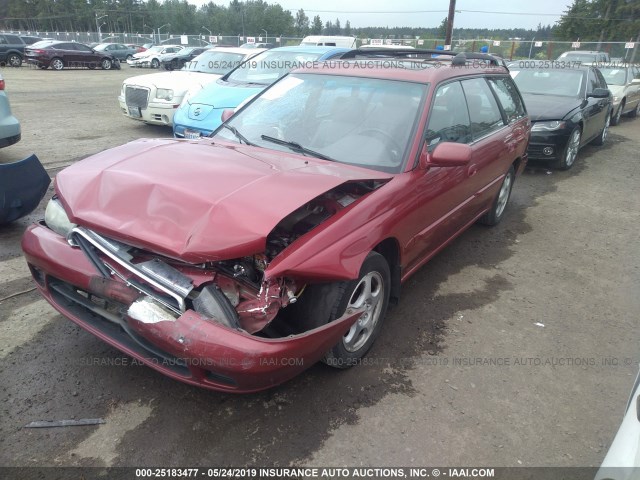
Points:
(516, 345)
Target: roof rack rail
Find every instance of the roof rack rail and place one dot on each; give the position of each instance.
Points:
(459, 58)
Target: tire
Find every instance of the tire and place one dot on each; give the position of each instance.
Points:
(43, 67)
(91, 66)
(106, 64)
(14, 60)
(570, 151)
(602, 137)
(499, 205)
(129, 57)
(615, 119)
(323, 303)
(57, 63)
(155, 63)
(635, 112)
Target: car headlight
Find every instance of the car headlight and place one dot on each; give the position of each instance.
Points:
(547, 126)
(164, 94)
(56, 218)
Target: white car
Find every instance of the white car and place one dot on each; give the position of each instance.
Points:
(624, 82)
(154, 98)
(151, 56)
(623, 458)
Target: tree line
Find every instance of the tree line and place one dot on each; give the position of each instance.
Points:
(585, 19)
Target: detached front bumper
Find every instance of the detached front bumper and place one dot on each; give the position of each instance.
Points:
(189, 348)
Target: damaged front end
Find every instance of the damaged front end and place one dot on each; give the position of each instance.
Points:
(214, 324)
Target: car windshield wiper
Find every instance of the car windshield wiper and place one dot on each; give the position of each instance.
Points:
(238, 135)
(296, 147)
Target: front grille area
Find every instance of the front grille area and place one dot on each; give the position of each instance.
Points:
(136, 96)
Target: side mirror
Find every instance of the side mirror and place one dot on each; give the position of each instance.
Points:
(599, 93)
(446, 154)
(227, 113)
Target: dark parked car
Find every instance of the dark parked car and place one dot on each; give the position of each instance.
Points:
(238, 261)
(11, 49)
(569, 107)
(59, 55)
(118, 50)
(177, 60)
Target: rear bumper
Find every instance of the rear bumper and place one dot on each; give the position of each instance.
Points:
(189, 348)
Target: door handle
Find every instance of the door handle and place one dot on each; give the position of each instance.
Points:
(472, 170)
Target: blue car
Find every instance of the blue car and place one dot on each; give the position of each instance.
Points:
(200, 115)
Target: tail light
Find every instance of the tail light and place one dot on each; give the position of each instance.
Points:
(1, 84)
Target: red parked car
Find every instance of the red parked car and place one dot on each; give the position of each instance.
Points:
(60, 55)
(237, 261)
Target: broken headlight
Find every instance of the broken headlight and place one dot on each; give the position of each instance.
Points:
(56, 218)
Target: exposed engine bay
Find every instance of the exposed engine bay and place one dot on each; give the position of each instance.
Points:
(234, 293)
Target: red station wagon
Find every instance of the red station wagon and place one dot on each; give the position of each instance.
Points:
(235, 262)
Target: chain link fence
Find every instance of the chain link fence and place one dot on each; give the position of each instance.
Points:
(509, 49)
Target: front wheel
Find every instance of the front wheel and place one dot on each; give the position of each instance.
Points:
(155, 63)
(324, 303)
(570, 151)
(615, 119)
(106, 64)
(602, 137)
(493, 216)
(57, 64)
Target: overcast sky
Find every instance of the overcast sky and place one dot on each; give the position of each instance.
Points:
(429, 13)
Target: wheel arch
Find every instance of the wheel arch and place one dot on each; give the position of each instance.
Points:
(389, 248)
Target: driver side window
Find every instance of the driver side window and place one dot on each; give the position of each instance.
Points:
(449, 117)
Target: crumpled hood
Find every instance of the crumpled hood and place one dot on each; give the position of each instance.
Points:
(549, 107)
(179, 81)
(195, 201)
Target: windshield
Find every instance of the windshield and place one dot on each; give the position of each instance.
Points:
(566, 83)
(267, 67)
(157, 48)
(614, 76)
(359, 121)
(214, 62)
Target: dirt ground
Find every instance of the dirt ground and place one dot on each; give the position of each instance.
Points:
(517, 345)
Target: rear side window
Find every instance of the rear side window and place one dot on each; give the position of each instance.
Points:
(483, 109)
(449, 118)
(509, 98)
(13, 40)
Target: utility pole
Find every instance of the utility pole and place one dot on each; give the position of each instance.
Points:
(98, 25)
(452, 12)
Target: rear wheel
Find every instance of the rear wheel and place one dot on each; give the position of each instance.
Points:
(129, 57)
(14, 60)
(636, 111)
(570, 151)
(493, 216)
(57, 64)
(155, 63)
(615, 119)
